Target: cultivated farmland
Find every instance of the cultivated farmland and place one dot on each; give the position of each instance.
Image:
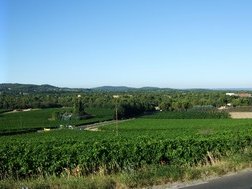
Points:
(140, 142)
(42, 118)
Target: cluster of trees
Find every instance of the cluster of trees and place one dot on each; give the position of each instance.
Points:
(78, 109)
(129, 108)
(129, 104)
(28, 101)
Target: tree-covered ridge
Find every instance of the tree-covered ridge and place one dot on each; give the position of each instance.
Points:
(14, 88)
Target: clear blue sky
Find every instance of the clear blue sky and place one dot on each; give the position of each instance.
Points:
(163, 43)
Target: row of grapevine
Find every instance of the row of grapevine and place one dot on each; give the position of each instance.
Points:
(27, 159)
(190, 114)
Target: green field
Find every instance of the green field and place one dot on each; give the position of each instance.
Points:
(171, 128)
(2, 111)
(37, 119)
(151, 128)
(189, 114)
(140, 142)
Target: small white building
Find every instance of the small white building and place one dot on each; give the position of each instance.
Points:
(231, 94)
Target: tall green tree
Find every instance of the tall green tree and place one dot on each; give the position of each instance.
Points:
(78, 109)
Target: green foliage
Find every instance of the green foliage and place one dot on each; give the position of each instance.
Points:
(24, 159)
(78, 108)
(129, 109)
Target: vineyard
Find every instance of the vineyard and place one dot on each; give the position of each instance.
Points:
(189, 114)
(140, 142)
(41, 118)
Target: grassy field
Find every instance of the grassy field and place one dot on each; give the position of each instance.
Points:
(42, 119)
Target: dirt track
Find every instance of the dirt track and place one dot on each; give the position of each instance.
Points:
(95, 126)
(241, 115)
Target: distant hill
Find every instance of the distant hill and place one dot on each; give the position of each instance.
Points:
(8, 87)
(32, 88)
(113, 88)
(127, 89)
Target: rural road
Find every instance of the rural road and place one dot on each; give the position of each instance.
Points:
(242, 180)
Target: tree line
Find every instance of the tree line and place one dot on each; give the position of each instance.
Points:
(129, 104)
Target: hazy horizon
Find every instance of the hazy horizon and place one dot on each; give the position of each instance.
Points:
(168, 44)
(225, 88)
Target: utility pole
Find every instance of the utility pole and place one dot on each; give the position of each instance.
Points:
(116, 111)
